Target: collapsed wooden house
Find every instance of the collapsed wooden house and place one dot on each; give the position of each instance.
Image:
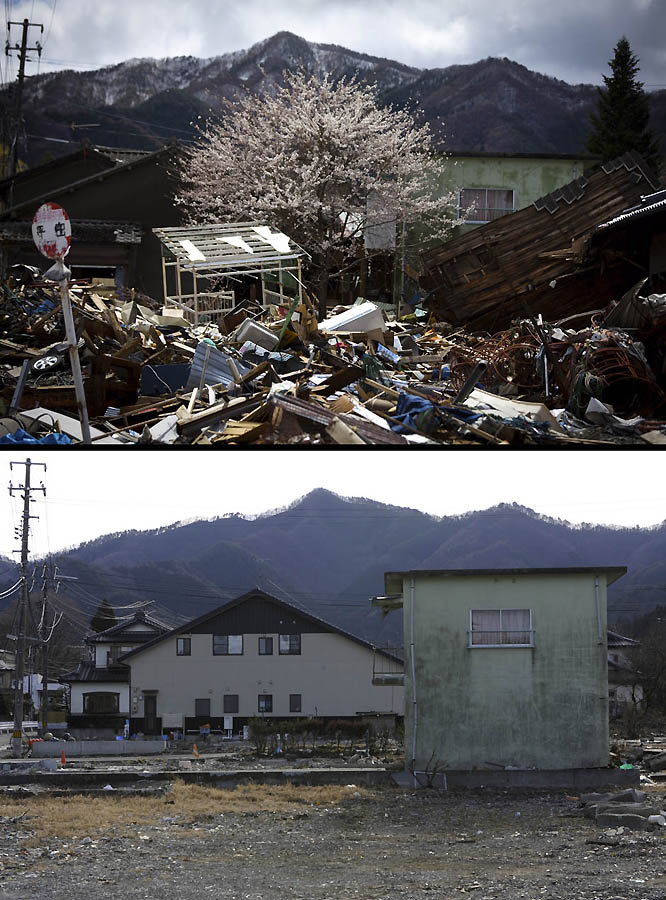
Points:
(538, 260)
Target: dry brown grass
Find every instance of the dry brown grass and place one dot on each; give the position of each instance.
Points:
(79, 816)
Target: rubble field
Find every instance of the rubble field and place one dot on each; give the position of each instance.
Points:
(363, 376)
(337, 841)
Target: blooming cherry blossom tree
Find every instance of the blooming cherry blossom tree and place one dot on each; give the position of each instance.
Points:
(306, 158)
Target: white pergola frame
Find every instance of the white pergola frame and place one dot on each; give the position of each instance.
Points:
(203, 252)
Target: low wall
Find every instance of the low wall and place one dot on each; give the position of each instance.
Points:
(45, 749)
(576, 780)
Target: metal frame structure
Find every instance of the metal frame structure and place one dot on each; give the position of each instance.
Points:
(202, 255)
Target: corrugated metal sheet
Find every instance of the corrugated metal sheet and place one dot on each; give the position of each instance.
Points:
(215, 363)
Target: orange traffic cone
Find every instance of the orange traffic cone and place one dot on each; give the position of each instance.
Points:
(195, 751)
(63, 758)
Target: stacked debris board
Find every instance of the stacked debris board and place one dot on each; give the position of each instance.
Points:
(535, 261)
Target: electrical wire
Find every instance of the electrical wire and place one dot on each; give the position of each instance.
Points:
(10, 590)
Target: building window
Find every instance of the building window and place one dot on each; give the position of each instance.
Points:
(202, 708)
(265, 646)
(183, 646)
(227, 645)
(501, 628)
(101, 703)
(290, 645)
(231, 704)
(265, 704)
(294, 703)
(481, 205)
(113, 654)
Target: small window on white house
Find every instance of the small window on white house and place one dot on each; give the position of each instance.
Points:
(290, 645)
(481, 205)
(183, 646)
(501, 627)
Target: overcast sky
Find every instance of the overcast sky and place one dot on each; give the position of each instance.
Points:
(90, 494)
(569, 39)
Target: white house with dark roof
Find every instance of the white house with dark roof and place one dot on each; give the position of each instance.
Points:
(255, 656)
(99, 686)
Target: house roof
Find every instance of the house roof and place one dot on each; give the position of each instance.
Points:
(488, 154)
(613, 572)
(619, 640)
(87, 671)
(650, 205)
(256, 592)
(82, 153)
(113, 171)
(120, 632)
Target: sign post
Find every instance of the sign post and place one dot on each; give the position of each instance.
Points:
(52, 234)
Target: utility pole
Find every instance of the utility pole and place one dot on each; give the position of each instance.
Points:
(22, 51)
(17, 739)
(43, 640)
(45, 655)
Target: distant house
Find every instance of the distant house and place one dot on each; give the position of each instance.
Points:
(625, 693)
(504, 668)
(113, 203)
(99, 686)
(254, 656)
(7, 669)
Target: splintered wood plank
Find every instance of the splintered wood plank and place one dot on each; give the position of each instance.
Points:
(242, 432)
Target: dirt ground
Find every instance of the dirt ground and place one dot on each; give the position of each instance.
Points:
(320, 843)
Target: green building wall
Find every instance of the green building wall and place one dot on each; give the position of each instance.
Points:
(544, 707)
(529, 176)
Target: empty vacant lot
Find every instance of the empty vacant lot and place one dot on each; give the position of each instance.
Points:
(343, 842)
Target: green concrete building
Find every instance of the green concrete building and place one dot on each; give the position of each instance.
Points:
(490, 185)
(504, 668)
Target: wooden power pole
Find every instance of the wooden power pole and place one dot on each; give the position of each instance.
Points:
(17, 738)
(22, 49)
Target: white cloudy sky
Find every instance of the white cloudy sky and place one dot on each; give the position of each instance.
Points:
(569, 39)
(90, 494)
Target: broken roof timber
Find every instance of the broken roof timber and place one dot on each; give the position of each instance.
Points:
(504, 269)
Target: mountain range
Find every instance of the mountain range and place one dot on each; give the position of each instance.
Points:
(494, 105)
(328, 554)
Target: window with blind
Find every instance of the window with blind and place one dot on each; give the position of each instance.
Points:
(501, 628)
(227, 645)
(481, 205)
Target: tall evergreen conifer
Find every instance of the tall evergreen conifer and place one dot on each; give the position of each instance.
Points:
(621, 122)
(104, 618)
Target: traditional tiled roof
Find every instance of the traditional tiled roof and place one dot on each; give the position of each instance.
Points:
(88, 672)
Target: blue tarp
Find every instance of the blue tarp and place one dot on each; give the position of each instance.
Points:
(22, 437)
(413, 411)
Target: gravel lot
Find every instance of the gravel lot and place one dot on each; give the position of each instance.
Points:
(376, 843)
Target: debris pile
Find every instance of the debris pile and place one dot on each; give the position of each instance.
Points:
(276, 375)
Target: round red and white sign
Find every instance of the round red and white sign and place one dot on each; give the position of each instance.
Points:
(52, 231)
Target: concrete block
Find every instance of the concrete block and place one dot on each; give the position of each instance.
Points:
(639, 809)
(656, 763)
(626, 820)
(629, 795)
